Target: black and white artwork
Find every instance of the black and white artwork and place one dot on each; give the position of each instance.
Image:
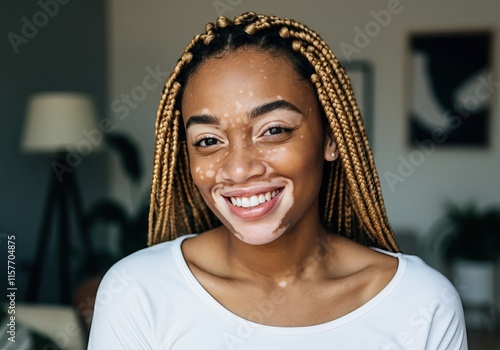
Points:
(451, 85)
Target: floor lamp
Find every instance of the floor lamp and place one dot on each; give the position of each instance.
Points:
(56, 122)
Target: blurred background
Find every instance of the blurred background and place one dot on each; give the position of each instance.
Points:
(114, 57)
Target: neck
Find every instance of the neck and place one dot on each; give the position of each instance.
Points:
(299, 253)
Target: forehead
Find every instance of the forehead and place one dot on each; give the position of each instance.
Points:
(244, 77)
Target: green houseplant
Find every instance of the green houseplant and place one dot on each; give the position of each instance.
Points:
(467, 242)
(473, 233)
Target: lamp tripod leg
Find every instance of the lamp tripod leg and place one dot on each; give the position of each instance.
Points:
(43, 242)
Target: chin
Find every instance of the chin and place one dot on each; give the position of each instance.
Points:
(260, 235)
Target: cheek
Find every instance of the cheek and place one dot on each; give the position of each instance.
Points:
(294, 157)
(201, 172)
(277, 155)
(204, 171)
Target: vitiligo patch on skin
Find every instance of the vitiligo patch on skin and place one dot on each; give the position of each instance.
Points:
(238, 106)
(260, 231)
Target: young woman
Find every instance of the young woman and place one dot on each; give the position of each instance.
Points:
(267, 224)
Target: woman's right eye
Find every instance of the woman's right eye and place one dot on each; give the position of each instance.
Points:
(206, 142)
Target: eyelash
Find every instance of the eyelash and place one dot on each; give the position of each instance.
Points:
(283, 129)
(197, 143)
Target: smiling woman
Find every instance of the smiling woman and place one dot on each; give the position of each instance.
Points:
(267, 224)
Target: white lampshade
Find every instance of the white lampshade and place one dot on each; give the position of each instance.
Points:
(57, 121)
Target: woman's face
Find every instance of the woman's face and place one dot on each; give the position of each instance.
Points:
(256, 143)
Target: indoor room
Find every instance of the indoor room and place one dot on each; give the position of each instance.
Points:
(81, 83)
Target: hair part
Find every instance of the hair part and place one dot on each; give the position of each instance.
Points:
(350, 198)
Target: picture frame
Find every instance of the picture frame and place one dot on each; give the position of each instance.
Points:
(361, 73)
(449, 88)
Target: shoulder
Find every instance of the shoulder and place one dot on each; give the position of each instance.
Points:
(401, 277)
(135, 295)
(144, 273)
(430, 303)
(145, 261)
(415, 279)
(425, 281)
(434, 299)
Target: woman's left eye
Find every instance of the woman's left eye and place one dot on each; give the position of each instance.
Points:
(276, 130)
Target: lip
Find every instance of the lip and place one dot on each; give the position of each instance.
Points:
(253, 213)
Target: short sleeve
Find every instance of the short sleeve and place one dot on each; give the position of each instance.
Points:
(120, 319)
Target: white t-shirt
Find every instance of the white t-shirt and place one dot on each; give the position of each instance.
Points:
(151, 300)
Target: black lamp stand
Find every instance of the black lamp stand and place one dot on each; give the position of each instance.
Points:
(63, 196)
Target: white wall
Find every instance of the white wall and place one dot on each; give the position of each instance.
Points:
(154, 32)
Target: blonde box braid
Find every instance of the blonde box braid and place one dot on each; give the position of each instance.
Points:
(351, 196)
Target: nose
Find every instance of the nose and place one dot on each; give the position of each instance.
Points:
(241, 164)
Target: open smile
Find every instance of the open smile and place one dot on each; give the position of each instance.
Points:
(254, 200)
(246, 205)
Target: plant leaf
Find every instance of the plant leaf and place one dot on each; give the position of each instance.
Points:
(128, 153)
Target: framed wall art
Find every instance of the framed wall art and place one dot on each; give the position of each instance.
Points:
(361, 75)
(450, 88)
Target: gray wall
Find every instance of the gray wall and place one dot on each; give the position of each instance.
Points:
(66, 53)
(155, 35)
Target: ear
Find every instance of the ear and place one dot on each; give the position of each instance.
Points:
(331, 152)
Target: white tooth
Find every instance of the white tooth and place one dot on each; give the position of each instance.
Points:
(268, 196)
(245, 203)
(262, 198)
(273, 194)
(238, 201)
(254, 201)
(233, 200)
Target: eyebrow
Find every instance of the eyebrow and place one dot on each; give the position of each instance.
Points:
(272, 106)
(207, 119)
(202, 119)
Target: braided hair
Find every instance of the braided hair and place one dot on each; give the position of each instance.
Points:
(351, 200)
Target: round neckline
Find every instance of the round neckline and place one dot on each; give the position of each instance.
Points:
(322, 327)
